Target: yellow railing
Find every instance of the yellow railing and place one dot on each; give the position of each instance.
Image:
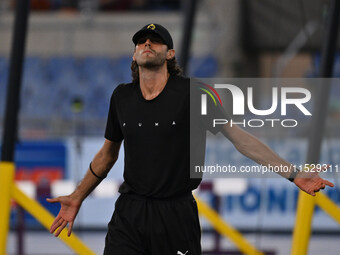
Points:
(6, 183)
(226, 230)
(9, 190)
(304, 216)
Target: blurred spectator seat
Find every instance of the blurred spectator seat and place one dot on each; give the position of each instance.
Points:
(50, 85)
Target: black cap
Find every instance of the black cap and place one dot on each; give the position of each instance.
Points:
(157, 29)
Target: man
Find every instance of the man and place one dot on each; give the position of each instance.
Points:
(156, 212)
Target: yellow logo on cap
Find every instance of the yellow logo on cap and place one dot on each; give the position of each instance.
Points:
(151, 26)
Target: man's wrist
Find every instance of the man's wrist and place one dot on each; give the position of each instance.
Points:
(293, 174)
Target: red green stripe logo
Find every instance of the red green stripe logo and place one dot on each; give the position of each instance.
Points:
(211, 92)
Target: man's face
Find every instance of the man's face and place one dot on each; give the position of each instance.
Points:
(151, 51)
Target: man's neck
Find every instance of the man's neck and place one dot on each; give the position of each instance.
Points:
(152, 81)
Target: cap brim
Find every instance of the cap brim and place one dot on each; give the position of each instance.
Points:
(144, 32)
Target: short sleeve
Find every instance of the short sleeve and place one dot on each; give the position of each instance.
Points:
(215, 111)
(113, 130)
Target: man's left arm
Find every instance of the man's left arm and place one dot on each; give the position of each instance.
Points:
(253, 148)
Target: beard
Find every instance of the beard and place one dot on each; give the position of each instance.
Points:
(153, 63)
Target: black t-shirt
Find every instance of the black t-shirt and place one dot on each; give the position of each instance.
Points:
(156, 136)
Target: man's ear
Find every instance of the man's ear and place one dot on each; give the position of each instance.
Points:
(170, 54)
(133, 56)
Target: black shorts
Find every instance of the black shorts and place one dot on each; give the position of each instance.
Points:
(147, 226)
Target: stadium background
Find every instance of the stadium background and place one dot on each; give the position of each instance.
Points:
(77, 52)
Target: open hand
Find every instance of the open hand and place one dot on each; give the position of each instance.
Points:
(67, 214)
(310, 182)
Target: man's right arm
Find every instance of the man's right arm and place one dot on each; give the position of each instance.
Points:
(101, 165)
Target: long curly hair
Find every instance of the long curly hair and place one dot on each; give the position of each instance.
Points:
(173, 69)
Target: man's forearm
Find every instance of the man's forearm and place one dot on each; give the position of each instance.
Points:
(254, 149)
(262, 154)
(101, 165)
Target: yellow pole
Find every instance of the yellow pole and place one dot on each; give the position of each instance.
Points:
(226, 230)
(6, 182)
(303, 224)
(328, 206)
(46, 219)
